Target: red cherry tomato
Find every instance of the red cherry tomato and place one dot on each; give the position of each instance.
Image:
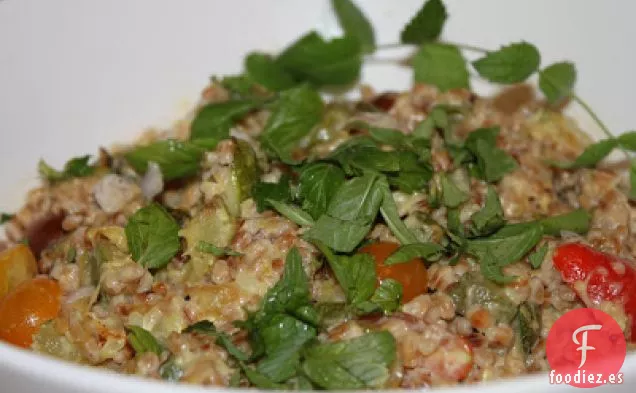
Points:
(412, 274)
(598, 277)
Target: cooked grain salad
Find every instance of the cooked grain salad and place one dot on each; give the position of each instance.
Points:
(277, 239)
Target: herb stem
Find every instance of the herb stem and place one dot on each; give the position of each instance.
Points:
(466, 47)
(396, 45)
(596, 119)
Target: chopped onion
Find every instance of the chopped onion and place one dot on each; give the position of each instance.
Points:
(152, 182)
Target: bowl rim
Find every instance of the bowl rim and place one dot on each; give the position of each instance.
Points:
(25, 363)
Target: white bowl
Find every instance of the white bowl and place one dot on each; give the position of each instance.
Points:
(78, 74)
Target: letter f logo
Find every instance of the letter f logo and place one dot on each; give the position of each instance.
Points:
(583, 344)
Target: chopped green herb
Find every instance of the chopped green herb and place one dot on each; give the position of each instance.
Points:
(6, 217)
(507, 245)
(340, 235)
(293, 213)
(142, 340)
(355, 274)
(153, 236)
(388, 295)
(318, 183)
(212, 123)
(391, 216)
(357, 199)
(492, 162)
(177, 159)
(262, 192)
(75, 167)
(283, 336)
(632, 180)
(296, 114)
(239, 86)
(491, 269)
(592, 155)
(216, 251)
(577, 221)
(490, 218)
(452, 194)
(358, 363)
(537, 257)
(627, 140)
(427, 251)
(208, 328)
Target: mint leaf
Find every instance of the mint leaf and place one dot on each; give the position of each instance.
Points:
(216, 251)
(592, 155)
(6, 217)
(386, 298)
(212, 123)
(492, 162)
(340, 235)
(262, 192)
(577, 221)
(510, 64)
(284, 336)
(627, 140)
(413, 175)
(176, 159)
(442, 66)
(358, 363)
(357, 199)
(208, 328)
(153, 236)
(452, 195)
(291, 212)
(355, 274)
(426, 25)
(389, 212)
(239, 86)
(490, 217)
(259, 380)
(142, 340)
(537, 257)
(323, 63)
(265, 71)
(318, 183)
(427, 251)
(557, 81)
(507, 245)
(491, 269)
(387, 136)
(359, 155)
(291, 292)
(75, 167)
(296, 114)
(355, 24)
